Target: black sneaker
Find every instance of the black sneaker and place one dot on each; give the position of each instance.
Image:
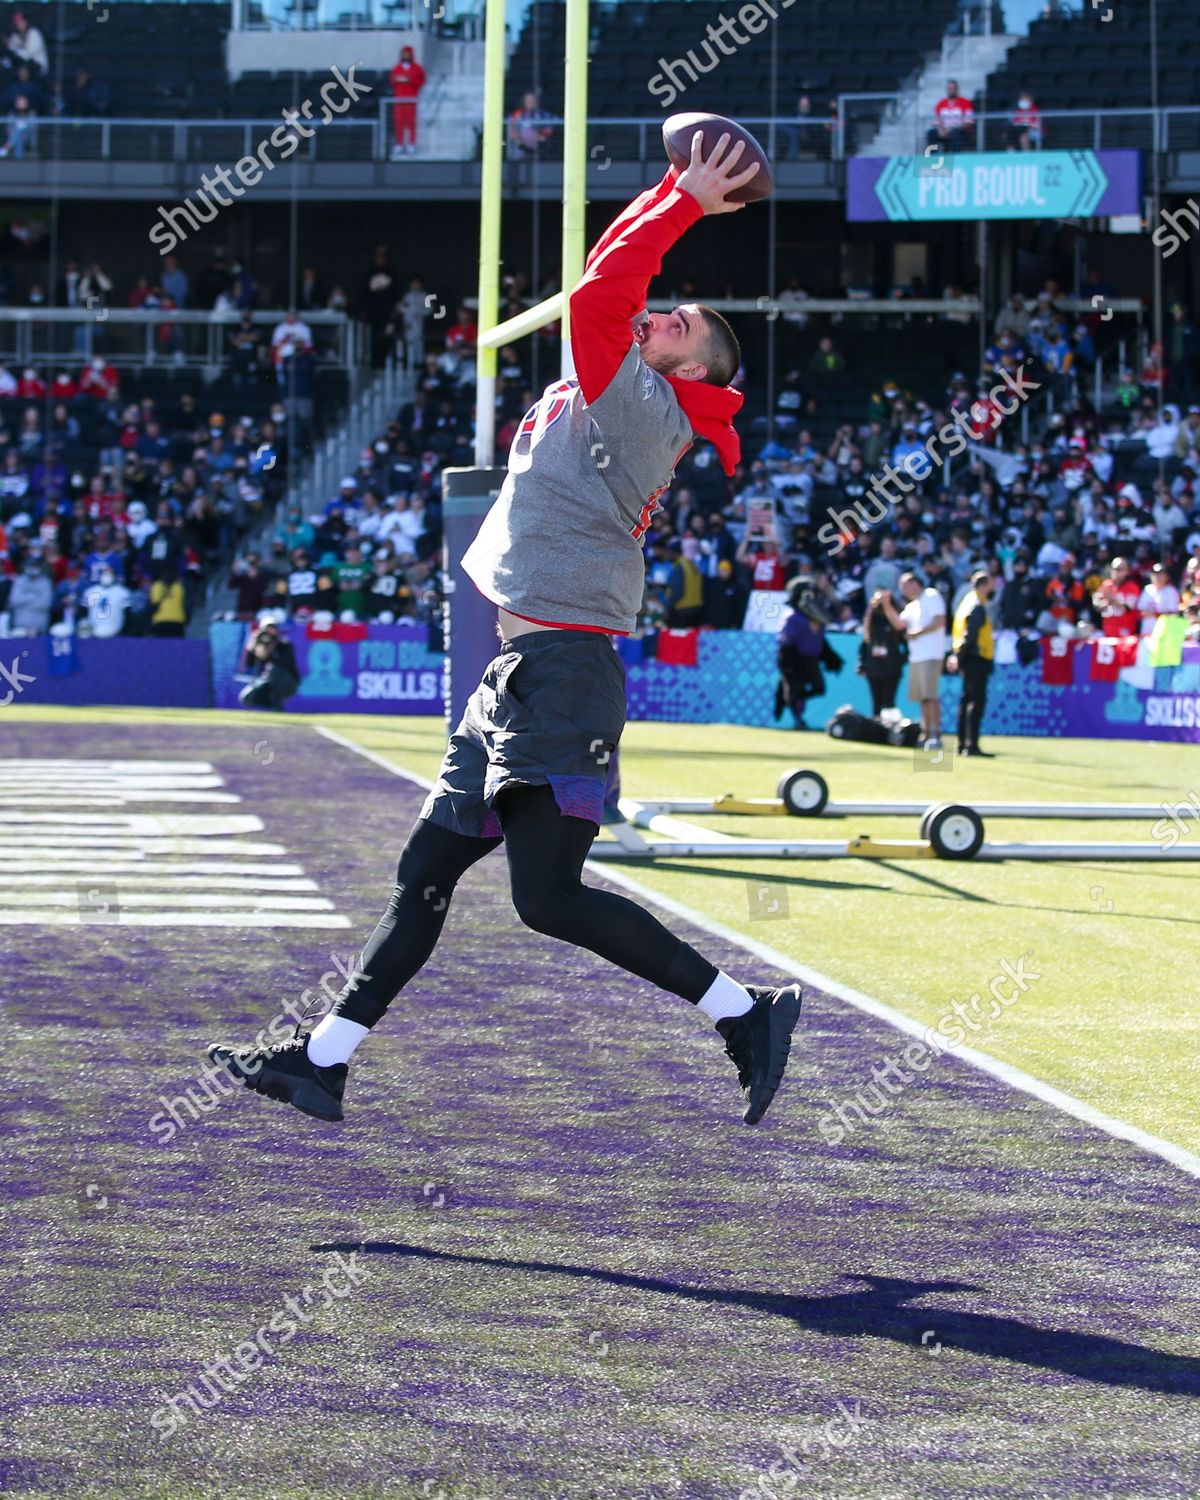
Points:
(284, 1072)
(758, 1044)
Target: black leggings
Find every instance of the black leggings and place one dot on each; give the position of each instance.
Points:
(546, 851)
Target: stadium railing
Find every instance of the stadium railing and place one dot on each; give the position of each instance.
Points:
(612, 138)
(627, 139)
(161, 338)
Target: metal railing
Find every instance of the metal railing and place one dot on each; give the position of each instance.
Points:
(166, 339)
(437, 16)
(610, 138)
(1164, 130)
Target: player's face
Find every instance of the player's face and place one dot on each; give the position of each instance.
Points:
(672, 343)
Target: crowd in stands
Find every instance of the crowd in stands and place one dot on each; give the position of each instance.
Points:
(1080, 516)
(1093, 527)
(112, 509)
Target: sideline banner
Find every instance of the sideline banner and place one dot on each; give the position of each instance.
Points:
(391, 670)
(382, 669)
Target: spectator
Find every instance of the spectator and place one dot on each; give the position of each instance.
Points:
(380, 293)
(804, 134)
(685, 588)
(27, 44)
(312, 294)
(246, 352)
(214, 283)
(99, 380)
(761, 554)
(953, 121)
(407, 80)
(1025, 126)
(301, 582)
(528, 129)
(291, 345)
(353, 578)
(1181, 353)
(1159, 597)
(881, 655)
(24, 82)
(826, 360)
(725, 597)
(175, 282)
(88, 98)
(106, 602)
(922, 622)
(20, 130)
(1117, 600)
(30, 598)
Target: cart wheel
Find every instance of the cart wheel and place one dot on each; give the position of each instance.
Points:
(955, 832)
(804, 793)
(929, 814)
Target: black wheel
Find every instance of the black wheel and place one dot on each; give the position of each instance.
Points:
(928, 815)
(804, 793)
(955, 832)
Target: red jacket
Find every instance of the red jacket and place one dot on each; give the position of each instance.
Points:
(613, 292)
(408, 79)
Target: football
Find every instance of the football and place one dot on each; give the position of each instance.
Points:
(678, 131)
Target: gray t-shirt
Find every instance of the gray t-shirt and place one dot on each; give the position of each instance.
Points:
(562, 544)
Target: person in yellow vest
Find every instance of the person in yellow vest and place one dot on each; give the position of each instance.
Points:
(973, 650)
(168, 607)
(685, 593)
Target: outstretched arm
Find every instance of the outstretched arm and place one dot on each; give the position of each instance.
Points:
(630, 252)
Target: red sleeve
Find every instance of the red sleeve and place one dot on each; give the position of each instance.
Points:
(619, 270)
(418, 77)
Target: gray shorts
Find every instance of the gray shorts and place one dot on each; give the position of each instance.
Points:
(549, 712)
(924, 678)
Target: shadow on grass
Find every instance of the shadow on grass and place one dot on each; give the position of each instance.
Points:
(878, 1311)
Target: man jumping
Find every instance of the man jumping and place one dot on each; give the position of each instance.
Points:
(560, 554)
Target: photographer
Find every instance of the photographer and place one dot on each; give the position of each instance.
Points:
(273, 662)
(882, 655)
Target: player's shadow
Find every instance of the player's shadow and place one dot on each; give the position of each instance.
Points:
(878, 1311)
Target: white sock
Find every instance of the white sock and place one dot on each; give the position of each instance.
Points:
(725, 997)
(333, 1040)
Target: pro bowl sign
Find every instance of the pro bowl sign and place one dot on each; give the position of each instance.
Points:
(993, 185)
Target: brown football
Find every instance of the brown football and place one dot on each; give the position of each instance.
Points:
(678, 131)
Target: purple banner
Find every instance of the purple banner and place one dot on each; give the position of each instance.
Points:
(380, 669)
(124, 671)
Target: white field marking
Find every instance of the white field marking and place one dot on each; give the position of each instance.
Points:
(132, 846)
(161, 900)
(138, 866)
(129, 767)
(151, 825)
(264, 885)
(47, 799)
(56, 917)
(1186, 1161)
(49, 859)
(19, 776)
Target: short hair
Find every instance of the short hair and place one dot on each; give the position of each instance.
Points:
(980, 576)
(722, 354)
